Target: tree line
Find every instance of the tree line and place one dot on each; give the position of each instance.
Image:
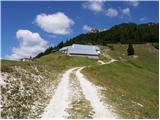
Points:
(125, 33)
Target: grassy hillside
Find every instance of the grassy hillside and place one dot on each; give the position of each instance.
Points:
(53, 63)
(28, 86)
(122, 33)
(131, 84)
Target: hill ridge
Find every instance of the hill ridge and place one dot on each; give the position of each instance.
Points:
(124, 33)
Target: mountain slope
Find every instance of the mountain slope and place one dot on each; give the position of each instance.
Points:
(132, 82)
(124, 33)
(26, 87)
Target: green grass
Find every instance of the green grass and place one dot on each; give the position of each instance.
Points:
(57, 63)
(127, 82)
(58, 59)
(50, 67)
(130, 81)
(54, 63)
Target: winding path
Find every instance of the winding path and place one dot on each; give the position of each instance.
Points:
(60, 100)
(57, 108)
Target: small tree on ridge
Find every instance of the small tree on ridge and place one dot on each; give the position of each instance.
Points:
(130, 49)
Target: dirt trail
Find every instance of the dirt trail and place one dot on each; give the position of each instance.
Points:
(76, 95)
(60, 100)
(91, 93)
(79, 107)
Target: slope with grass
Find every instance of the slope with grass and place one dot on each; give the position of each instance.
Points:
(131, 83)
(76, 97)
(28, 86)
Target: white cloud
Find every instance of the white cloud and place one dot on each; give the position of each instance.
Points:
(87, 28)
(126, 11)
(57, 23)
(134, 3)
(111, 12)
(30, 45)
(142, 19)
(95, 6)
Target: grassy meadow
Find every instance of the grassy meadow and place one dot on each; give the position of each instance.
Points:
(131, 84)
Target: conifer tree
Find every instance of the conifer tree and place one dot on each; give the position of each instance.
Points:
(130, 49)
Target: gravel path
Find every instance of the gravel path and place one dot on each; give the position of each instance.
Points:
(91, 93)
(76, 94)
(60, 100)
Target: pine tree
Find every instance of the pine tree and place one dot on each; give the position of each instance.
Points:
(130, 49)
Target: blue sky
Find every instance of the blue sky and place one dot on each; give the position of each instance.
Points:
(30, 27)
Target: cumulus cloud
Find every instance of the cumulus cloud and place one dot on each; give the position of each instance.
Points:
(30, 44)
(87, 28)
(111, 12)
(95, 6)
(57, 23)
(126, 11)
(134, 3)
